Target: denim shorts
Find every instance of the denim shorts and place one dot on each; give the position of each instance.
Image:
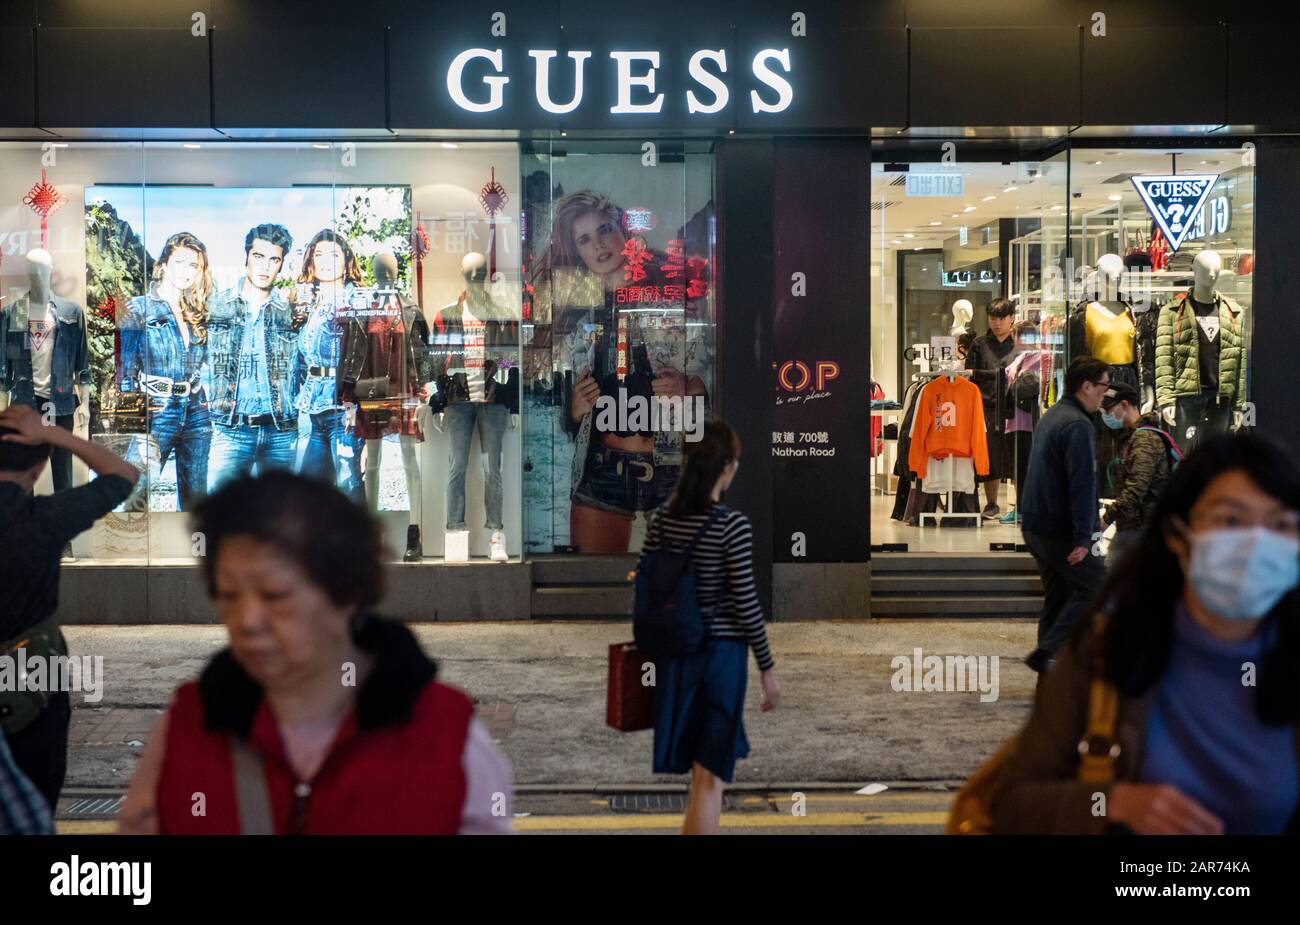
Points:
(624, 483)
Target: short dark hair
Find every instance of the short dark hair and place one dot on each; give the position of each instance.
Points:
(1084, 369)
(19, 457)
(271, 234)
(336, 541)
(1001, 308)
(964, 340)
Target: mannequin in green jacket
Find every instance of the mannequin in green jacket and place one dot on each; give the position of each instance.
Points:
(1196, 395)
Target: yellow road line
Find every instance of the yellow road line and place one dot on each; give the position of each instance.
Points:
(729, 821)
(85, 826)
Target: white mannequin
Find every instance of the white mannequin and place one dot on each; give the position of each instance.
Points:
(385, 267)
(962, 313)
(478, 305)
(1206, 269)
(40, 267)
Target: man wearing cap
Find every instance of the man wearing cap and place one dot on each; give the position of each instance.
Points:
(1140, 471)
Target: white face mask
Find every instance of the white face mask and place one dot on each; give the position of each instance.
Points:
(1240, 573)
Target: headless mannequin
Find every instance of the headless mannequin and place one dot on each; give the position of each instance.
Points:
(40, 267)
(962, 313)
(385, 269)
(1205, 283)
(477, 306)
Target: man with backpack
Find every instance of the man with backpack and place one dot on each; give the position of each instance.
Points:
(1147, 454)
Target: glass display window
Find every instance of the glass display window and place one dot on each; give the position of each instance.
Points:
(328, 308)
(619, 337)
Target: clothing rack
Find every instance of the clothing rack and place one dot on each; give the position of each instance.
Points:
(948, 513)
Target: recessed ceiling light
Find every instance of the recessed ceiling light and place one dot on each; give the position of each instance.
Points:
(969, 209)
(193, 147)
(988, 198)
(936, 223)
(909, 235)
(916, 248)
(1056, 207)
(451, 145)
(895, 241)
(1010, 189)
(1096, 163)
(319, 147)
(1114, 197)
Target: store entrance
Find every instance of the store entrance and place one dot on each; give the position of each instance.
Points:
(958, 251)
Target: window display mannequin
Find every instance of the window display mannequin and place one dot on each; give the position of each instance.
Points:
(45, 360)
(1105, 326)
(476, 386)
(1200, 357)
(962, 313)
(385, 360)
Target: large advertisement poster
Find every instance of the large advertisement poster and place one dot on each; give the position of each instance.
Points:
(619, 338)
(241, 329)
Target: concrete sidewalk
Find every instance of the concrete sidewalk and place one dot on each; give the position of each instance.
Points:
(541, 691)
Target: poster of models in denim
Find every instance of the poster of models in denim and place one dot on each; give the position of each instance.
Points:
(618, 341)
(239, 330)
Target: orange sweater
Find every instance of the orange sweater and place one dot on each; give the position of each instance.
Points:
(949, 422)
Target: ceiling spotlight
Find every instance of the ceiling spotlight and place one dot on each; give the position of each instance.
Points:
(450, 145)
(988, 198)
(1010, 189)
(909, 235)
(1114, 197)
(969, 209)
(936, 223)
(192, 147)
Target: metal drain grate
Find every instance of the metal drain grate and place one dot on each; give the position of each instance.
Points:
(654, 803)
(91, 806)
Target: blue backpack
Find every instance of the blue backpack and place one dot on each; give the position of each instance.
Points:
(667, 621)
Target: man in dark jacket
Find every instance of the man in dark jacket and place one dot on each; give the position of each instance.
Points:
(33, 532)
(1141, 470)
(1058, 507)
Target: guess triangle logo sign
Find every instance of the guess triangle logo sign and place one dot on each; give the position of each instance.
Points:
(1175, 201)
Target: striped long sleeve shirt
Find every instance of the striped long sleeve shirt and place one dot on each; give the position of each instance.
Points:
(724, 573)
(23, 810)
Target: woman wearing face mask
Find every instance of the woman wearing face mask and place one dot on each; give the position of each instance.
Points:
(1202, 645)
(700, 697)
(1138, 473)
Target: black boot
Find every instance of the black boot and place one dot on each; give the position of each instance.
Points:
(414, 551)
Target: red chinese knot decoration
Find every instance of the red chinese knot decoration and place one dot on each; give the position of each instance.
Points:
(44, 199)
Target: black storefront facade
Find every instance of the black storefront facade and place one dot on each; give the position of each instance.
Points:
(735, 146)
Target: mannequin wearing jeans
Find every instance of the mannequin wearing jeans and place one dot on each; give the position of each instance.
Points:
(392, 344)
(475, 387)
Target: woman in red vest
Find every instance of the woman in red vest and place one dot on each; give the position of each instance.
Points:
(320, 718)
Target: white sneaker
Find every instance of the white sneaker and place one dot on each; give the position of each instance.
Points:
(497, 547)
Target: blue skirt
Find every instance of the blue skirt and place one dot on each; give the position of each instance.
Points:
(699, 709)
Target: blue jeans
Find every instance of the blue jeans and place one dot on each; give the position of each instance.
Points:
(182, 426)
(237, 450)
(623, 483)
(320, 460)
(491, 419)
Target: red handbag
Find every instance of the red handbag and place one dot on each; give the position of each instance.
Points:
(630, 704)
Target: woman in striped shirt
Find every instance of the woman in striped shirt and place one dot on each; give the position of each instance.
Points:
(700, 698)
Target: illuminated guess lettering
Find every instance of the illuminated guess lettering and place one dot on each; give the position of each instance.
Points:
(476, 79)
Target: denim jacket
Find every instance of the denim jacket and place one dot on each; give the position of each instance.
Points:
(152, 345)
(69, 365)
(226, 320)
